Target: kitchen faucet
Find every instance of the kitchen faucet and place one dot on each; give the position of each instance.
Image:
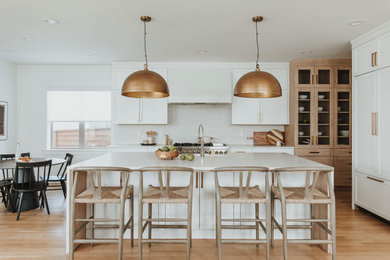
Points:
(201, 139)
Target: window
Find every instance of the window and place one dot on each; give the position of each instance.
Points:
(79, 119)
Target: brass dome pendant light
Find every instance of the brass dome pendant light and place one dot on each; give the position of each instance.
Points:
(257, 84)
(145, 83)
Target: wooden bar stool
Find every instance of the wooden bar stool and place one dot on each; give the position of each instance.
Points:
(98, 194)
(311, 194)
(165, 194)
(243, 193)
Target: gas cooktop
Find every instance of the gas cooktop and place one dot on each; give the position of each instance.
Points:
(195, 148)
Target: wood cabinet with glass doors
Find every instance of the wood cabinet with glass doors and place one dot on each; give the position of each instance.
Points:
(320, 113)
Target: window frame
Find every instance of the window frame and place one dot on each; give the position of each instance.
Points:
(81, 145)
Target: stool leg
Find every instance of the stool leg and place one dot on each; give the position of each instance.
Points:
(257, 223)
(189, 212)
(92, 208)
(132, 220)
(272, 219)
(73, 208)
(140, 209)
(121, 229)
(312, 226)
(284, 227)
(333, 228)
(20, 204)
(219, 231)
(150, 208)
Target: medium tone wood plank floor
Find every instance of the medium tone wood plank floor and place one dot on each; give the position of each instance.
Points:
(37, 235)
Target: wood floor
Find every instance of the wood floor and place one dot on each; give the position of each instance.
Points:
(37, 235)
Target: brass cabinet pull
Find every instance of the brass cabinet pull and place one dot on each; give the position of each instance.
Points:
(196, 180)
(314, 152)
(201, 180)
(312, 140)
(372, 124)
(317, 79)
(376, 123)
(372, 59)
(375, 57)
(368, 177)
(317, 139)
(312, 79)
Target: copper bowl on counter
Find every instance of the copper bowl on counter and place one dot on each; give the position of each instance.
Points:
(169, 155)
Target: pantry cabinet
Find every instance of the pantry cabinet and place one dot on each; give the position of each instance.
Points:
(271, 111)
(320, 113)
(371, 95)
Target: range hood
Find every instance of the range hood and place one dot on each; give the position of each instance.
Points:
(200, 85)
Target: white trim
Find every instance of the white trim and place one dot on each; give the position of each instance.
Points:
(372, 34)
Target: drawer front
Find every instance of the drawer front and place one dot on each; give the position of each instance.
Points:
(342, 178)
(377, 201)
(343, 164)
(324, 160)
(342, 152)
(313, 152)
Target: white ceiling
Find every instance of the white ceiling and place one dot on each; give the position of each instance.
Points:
(180, 28)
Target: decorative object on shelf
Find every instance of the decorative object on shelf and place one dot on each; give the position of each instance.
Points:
(145, 83)
(275, 136)
(3, 120)
(267, 138)
(257, 84)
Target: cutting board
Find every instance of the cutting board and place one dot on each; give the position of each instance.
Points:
(259, 139)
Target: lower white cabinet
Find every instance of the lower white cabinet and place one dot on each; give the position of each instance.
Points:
(267, 111)
(372, 193)
(139, 110)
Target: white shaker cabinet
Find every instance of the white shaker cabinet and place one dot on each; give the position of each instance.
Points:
(251, 111)
(383, 123)
(365, 107)
(133, 110)
(384, 51)
(365, 58)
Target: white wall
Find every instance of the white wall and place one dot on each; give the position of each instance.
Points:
(33, 81)
(8, 93)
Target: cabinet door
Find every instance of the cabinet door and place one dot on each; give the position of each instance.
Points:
(304, 76)
(245, 111)
(323, 76)
(274, 111)
(343, 117)
(383, 123)
(384, 51)
(126, 110)
(304, 110)
(154, 111)
(364, 58)
(365, 142)
(323, 109)
(343, 76)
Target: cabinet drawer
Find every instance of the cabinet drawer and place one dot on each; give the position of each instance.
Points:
(377, 201)
(342, 178)
(324, 160)
(343, 164)
(313, 152)
(342, 152)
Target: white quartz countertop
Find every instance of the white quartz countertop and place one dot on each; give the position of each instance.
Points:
(136, 161)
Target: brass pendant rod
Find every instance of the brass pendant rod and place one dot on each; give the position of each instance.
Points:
(258, 48)
(145, 51)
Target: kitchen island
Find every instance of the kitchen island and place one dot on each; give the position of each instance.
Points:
(203, 201)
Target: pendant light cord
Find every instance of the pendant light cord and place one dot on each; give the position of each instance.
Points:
(258, 48)
(146, 55)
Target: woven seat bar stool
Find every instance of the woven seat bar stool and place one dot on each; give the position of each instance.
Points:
(166, 194)
(95, 193)
(243, 193)
(310, 194)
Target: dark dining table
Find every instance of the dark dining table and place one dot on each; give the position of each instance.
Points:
(31, 199)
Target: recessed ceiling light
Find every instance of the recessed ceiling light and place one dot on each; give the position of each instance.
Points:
(8, 51)
(306, 52)
(27, 39)
(50, 21)
(356, 23)
(92, 51)
(202, 52)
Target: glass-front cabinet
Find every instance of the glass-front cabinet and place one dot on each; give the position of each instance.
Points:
(343, 116)
(314, 76)
(314, 109)
(343, 76)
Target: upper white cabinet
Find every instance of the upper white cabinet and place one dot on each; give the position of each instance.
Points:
(365, 58)
(199, 85)
(384, 51)
(267, 111)
(137, 111)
